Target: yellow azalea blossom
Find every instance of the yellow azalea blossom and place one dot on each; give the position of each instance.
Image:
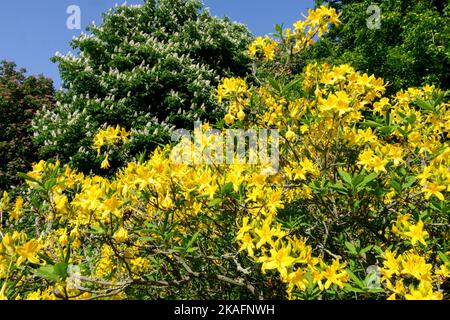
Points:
(416, 233)
(378, 164)
(424, 291)
(298, 279)
(4, 201)
(443, 271)
(109, 137)
(433, 189)
(229, 119)
(2, 292)
(416, 266)
(335, 274)
(247, 244)
(241, 115)
(264, 233)
(244, 228)
(292, 217)
(391, 265)
(8, 244)
(28, 252)
(290, 135)
(105, 163)
(279, 259)
(17, 210)
(121, 235)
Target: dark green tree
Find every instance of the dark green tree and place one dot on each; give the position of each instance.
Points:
(411, 47)
(147, 68)
(20, 97)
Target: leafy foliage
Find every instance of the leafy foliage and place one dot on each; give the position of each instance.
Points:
(411, 47)
(20, 97)
(356, 207)
(148, 69)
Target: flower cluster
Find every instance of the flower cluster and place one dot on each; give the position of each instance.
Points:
(362, 184)
(265, 46)
(109, 137)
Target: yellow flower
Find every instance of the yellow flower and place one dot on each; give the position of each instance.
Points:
(335, 274)
(2, 292)
(416, 233)
(244, 229)
(424, 291)
(247, 244)
(264, 233)
(416, 266)
(378, 164)
(298, 278)
(28, 252)
(433, 189)
(443, 271)
(241, 115)
(290, 135)
(105, 163)
(121, 235)
(8, 244)
(109, 137)
(229, 119)
(252, 50)
(17, 210)
(391, 265)
(280, 260)
(265, 45)
(4, 202)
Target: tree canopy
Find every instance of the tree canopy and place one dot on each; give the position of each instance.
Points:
(20, 97)
(411, 47)
(148, 69)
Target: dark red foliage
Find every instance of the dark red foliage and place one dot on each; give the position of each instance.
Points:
(20, 97)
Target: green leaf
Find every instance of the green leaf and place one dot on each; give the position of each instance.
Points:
(291, 84)
(339, 188)
(275, 85)
(278, 29)
(425, 105)
(60, 269)
(358, 281)
(27, 177)
(49, 184)
(364, 250)
(409, 182)
(444, 258)
(352, 289)
(396, 185)
(351, 247)
(367, 179)
(346, 177)
(146, 239)
(373, 124)
(193, 239)
(47, 272)
(227, 188)
(214, 202)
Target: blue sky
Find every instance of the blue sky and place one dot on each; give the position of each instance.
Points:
(31, 31)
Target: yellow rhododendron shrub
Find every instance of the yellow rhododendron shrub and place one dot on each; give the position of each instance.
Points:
(351, 203)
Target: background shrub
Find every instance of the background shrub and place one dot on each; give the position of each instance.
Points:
(146, 68)
(20, 97)
(411, 48)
